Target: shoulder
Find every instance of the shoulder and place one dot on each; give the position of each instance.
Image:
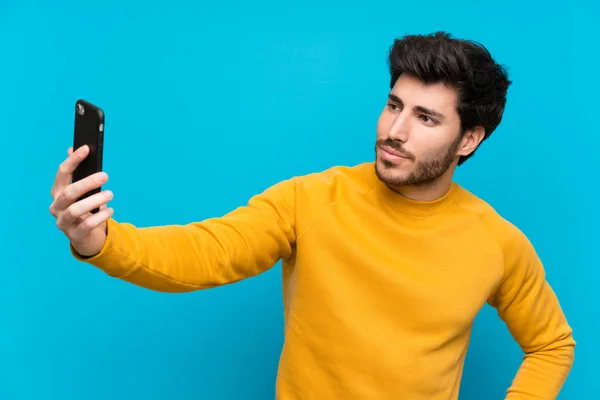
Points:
(322, 188)
(338, 175)
(509, 237)
(519, 258)
(333, 185)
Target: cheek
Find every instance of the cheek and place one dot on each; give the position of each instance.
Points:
(434, 152)
(382, 126)
(426, 147)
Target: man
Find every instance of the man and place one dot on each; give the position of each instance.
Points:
(385, 264)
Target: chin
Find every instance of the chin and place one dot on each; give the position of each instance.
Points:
(390, 173)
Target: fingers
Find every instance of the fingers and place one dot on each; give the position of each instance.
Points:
(71, 193)
(86, 225)
(74, 216)
(75, 212)
(66, 168)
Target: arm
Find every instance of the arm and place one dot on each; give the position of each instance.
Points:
(180, 258)
(529, 307)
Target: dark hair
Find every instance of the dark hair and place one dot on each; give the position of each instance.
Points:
(463, 64)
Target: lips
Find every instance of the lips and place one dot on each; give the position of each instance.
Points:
(393, 152)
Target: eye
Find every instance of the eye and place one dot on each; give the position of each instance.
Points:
(428, 120)
(393, 107)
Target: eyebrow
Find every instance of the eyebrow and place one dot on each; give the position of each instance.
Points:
(421, 109)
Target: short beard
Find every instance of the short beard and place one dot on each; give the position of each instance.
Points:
(425, 172)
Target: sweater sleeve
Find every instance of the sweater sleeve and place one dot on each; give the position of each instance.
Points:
(527, 304)
(217, 251)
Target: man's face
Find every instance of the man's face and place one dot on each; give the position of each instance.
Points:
(418, 133)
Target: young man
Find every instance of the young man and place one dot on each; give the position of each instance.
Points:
(385, 264)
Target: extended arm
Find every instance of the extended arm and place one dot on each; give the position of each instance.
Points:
(179, 258)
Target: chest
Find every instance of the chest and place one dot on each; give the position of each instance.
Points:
(424, 273)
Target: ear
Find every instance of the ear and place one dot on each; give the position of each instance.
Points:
(471, 139)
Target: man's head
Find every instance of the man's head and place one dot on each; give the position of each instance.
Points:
(447, 96)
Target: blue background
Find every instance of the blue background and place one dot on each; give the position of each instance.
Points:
(209, 104)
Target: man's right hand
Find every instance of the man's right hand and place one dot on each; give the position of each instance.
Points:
(85, 230)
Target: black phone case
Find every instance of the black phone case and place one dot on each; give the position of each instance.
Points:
(89, 130)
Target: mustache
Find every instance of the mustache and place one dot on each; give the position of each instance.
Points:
(396, 146)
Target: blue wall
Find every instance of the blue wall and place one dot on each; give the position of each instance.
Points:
(277, 82)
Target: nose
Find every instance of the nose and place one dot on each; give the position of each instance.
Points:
(400, 128)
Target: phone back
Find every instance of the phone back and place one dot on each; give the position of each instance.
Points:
(89, 130)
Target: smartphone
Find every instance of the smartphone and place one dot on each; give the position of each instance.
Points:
(89, 130)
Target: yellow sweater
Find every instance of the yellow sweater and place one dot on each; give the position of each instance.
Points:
(380, 292)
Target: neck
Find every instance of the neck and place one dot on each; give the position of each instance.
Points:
(426, 192)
